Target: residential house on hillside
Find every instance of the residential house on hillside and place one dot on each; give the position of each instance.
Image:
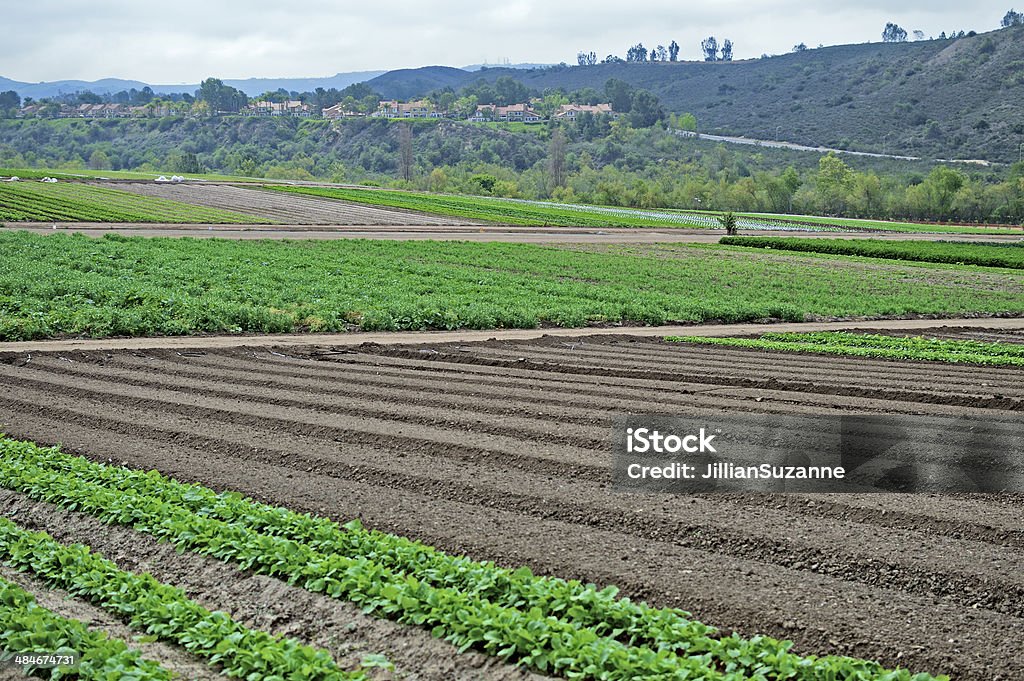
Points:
(418, 109)
(293, 107)
(338, 111)
(514, 112)
(568, 112)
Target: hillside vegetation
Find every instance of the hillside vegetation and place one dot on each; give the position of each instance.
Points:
(955, 98)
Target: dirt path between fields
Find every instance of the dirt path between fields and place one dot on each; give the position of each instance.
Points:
(468, 336)
(479, 232)
(500, 450)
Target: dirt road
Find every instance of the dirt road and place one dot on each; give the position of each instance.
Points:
(466, 335)
(434, 232)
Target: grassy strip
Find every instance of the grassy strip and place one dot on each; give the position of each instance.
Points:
(490, 209)
(319, 542)
(27, 628)
(73, 202)
(956, 253)
(877, 346)
(66, 284)
(164, 611)
(862, 224)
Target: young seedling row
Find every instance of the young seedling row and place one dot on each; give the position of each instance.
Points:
(549, 624)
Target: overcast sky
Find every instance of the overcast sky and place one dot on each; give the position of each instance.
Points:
(182, 41)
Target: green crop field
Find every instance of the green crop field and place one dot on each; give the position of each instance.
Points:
(77, 202)
(518, 212)
(861, 224)
(1009, 255)
(553, 626)
(59, 285)
(876, 346)
(504, 211)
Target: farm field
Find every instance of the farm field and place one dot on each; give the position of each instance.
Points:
(405, 438)
(274, 207)
(996, 352)
(1009, 254)
(61, 285)
(526, 212)
(73, 201)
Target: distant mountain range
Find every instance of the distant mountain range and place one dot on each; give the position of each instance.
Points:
(250, 86)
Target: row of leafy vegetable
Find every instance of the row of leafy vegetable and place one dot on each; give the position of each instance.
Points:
(164, 611)
(27, 627)
(991, 353)
(71, 201)
(1010, 255)
(554, 626)
(66, 284)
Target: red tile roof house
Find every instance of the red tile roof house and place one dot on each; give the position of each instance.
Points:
(396, 109)
(568, 112)
(289, 108)
(513, 112)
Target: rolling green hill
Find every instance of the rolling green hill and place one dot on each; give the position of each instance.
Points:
(937, 98)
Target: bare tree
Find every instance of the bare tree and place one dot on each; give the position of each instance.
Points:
(556, 158)
(405, 151)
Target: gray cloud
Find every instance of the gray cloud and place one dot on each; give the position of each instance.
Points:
(187, 40)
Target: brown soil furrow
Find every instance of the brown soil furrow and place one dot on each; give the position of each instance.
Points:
(341, 426)
(1006, 381)
(546, 426)
(773, 536)
(872, 621)
(233, 409)
(659, 396)
(369, 433)
(284, 207)
(265, 603)
(889, 515)
(171, 657)
(770, 383)
(164, 423)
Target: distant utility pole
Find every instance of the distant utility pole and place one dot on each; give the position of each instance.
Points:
(1020, 152)
(885, 142)
(778, 131)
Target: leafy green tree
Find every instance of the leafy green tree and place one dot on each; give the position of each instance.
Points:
(1012, 18)
(726, 51)
(893, 34)
(673, 51)
(220, 97)
(637, 53)
(10, 102)
(99, 160)
(645, 109)
(834, 182)
(710, 48)
(620, 95)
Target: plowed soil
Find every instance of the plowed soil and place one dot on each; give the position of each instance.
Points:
(501, 450)
(285, 208)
